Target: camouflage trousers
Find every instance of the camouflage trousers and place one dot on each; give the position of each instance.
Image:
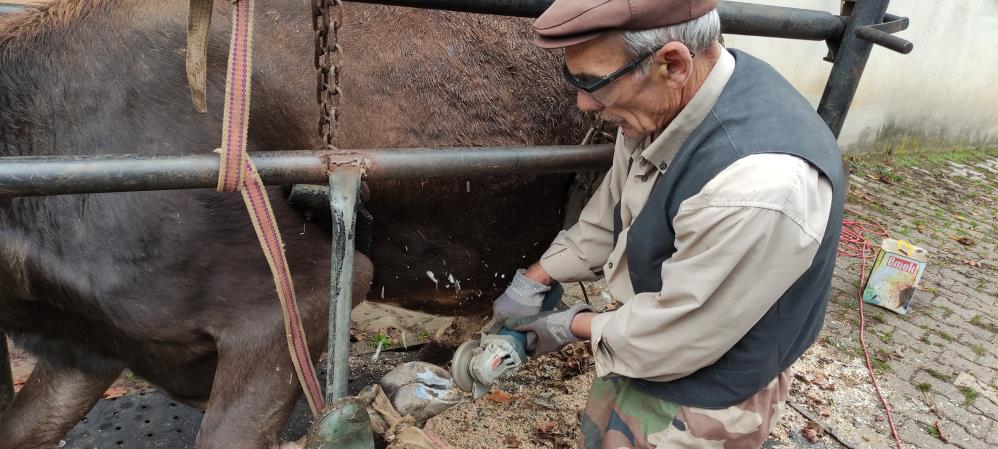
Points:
(620, 416)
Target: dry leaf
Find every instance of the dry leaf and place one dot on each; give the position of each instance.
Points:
(943, 434)
(822, 381)
(880, 354)
(512, 441)
(966, 241)
(115, 392)
(815, 399)
(546, 426)
(973, 263)
(499, 397)
(812, 431)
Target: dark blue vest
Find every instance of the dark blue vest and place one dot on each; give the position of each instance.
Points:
(757, 112)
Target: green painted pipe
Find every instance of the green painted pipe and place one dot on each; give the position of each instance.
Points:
(344, 425)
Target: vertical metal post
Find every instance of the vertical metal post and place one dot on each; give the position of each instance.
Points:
(6, 377)
(850, 61)
(344, 186)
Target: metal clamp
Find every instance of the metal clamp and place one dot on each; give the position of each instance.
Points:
(882, 34)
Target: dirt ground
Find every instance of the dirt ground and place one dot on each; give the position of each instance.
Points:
(936, 366)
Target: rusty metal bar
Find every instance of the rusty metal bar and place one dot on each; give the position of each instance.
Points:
(57, 175)
(882, 34)
(6, 376)
(776, 21)
(849, 61)
(736, 17)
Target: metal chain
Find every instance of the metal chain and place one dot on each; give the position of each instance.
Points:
(327, 18)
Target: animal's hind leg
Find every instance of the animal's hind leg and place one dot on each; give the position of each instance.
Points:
(255, 385)
(255, 389)
(55, 398)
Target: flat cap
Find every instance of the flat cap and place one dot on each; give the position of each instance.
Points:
(570, 22)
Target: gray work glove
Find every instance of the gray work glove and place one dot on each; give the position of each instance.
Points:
(552, 330)
(522, 298)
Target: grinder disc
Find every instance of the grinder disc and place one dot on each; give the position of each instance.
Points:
(460, 366)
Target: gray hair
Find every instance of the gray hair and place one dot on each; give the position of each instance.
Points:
(697, 34)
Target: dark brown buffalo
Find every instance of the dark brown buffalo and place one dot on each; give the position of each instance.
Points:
(172, 285)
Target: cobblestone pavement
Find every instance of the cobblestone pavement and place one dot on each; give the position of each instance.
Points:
(937, 365)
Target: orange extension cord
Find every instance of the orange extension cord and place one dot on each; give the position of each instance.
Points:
(853, 242)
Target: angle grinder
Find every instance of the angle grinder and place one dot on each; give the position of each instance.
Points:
(478, 363)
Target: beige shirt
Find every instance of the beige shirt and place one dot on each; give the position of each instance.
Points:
(740, 243)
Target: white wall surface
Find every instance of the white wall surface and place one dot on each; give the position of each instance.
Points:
(947, 87)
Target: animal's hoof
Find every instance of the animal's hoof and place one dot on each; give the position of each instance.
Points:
(420, 390)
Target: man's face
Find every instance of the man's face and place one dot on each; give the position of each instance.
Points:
(639, 103)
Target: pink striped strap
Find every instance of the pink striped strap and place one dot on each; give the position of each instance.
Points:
(237, 172)
(235, 118)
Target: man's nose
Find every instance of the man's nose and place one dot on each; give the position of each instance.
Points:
(587, 103)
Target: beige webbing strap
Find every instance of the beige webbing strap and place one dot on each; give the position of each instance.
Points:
(236, 172)
(198, 23)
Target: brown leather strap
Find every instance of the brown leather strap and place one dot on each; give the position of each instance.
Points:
(198, 23)
(237, 172)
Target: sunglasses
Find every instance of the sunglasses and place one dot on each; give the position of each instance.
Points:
(592, 84)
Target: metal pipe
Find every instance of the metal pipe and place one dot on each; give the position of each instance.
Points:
(8, 8)
(736, 17)
(853, 52)
(6, 376)
(882, 34)
(885, 40)
(56, 175)
(518, 8)
(775, 21)
(344, 186)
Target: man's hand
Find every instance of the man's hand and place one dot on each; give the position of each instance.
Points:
(552, 329)
(521, 299)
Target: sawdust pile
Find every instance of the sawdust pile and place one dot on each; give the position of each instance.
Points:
(536, 408)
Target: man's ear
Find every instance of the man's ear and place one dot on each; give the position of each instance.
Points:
(674, 64)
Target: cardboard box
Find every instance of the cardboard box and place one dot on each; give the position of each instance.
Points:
(895, 275)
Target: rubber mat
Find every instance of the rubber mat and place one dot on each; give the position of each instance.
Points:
(154, 421)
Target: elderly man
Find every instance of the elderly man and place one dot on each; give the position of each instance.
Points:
(716, 228)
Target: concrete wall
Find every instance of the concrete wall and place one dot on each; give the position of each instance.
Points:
(944, 92)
